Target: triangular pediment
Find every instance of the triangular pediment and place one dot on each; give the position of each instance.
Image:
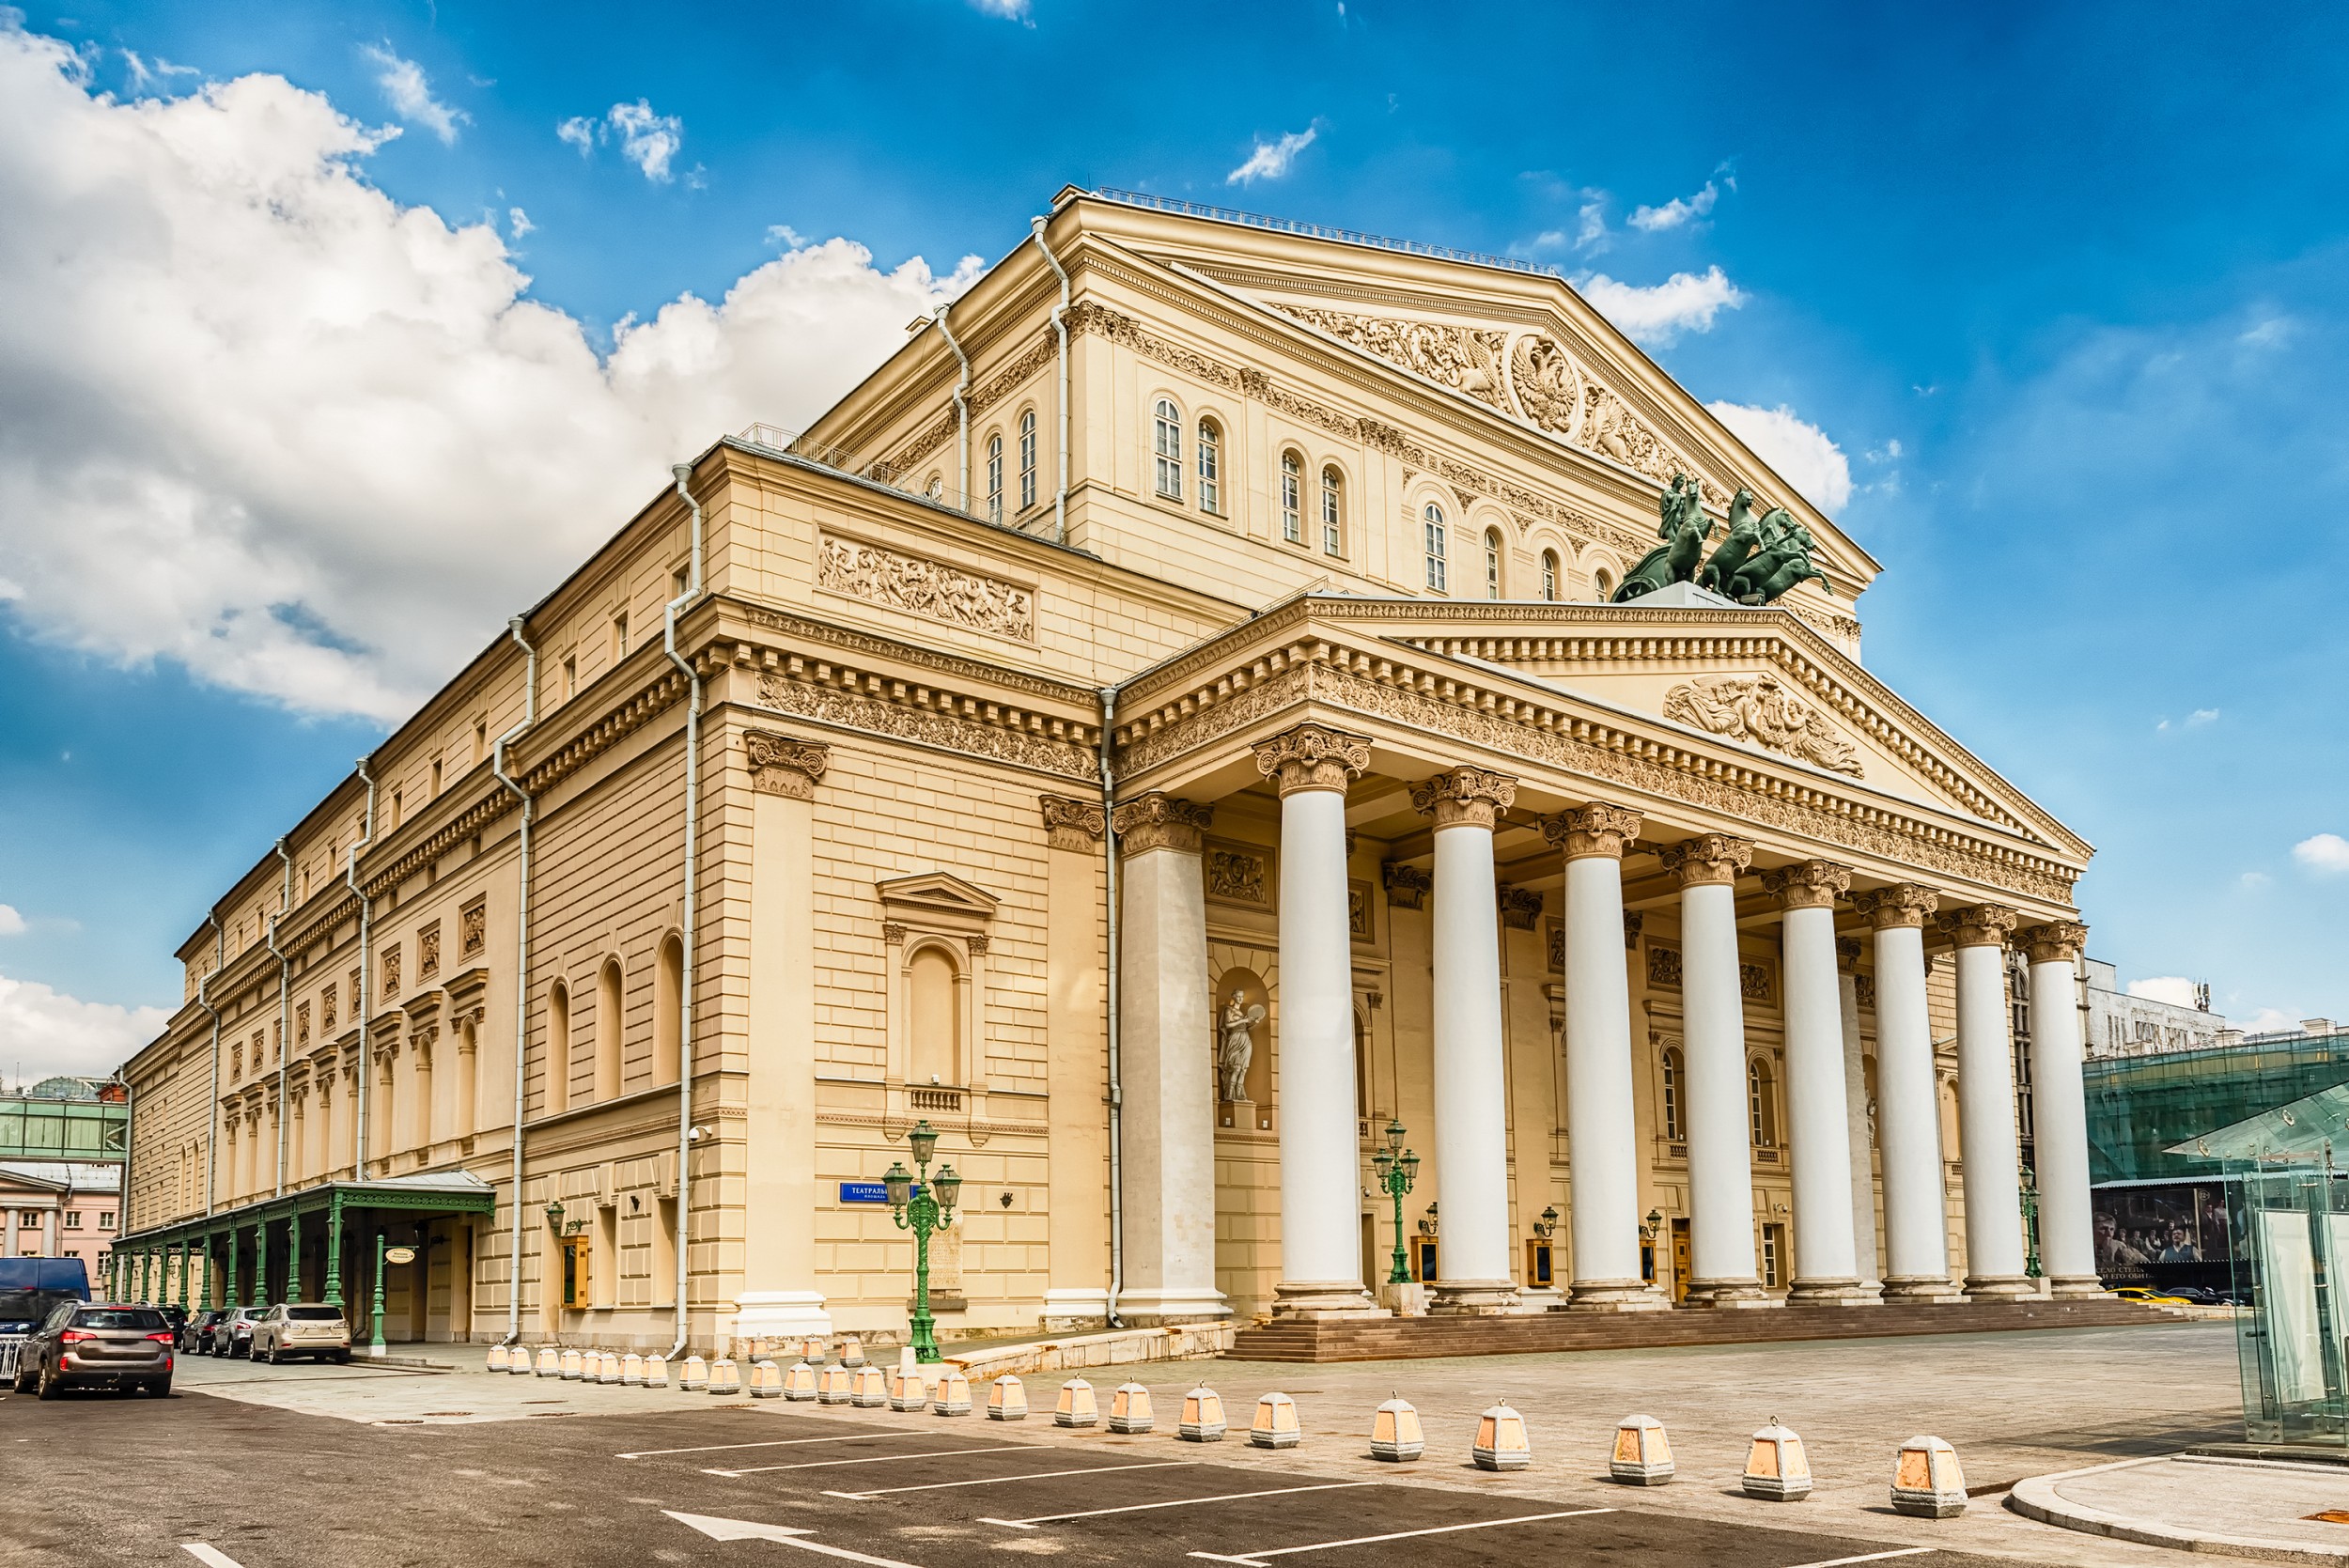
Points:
(937, 893)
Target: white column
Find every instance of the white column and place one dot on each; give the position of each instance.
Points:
(2067, 1244)
(1908, 1117)
(1720, 1141)
(1602, 1129)
(1859, 1124)
(1166, 1032)
(1321, 1178)
(1987, 1146)
(1470, 1075)
(1818, 1117)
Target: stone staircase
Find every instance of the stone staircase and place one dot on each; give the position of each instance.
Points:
(1406, 1338)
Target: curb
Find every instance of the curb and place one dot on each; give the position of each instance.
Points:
(2036, 1498)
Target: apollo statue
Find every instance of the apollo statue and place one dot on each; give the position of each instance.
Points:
(1238, 1046)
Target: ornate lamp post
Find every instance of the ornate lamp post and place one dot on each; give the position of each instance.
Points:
(374, 1335)
(1397, 1168)
(2030, 1224)
(929, 1209)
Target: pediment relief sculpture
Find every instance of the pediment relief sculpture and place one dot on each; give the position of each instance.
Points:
(1466, 359)
(1761, 710)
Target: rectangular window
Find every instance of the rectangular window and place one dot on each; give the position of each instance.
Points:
(1333, 531)
(619, 637)
(73, 1220)
(575, 1271)
(106, 1220)
(679, 580)
(1027, 460)
(395, 804)
(1292, 522)
(1436, 563)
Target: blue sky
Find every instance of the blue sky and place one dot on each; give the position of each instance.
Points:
(2063, 290)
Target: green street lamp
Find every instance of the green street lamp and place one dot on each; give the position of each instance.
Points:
(922, 1204)
(1397, 1168)
(375, 1336)
(2030, 1224)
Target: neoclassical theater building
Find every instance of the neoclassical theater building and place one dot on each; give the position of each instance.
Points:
(1165, 725)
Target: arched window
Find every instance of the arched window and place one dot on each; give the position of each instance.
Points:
(1492, 563)
(1169, 441)
(1292, 502)
(1027, 460)
(1332, 513)
(608, 1032)
(1438, 568)
(1675, 1075)
(1211, 467)
(1602, 585)
(995, 477)
(558, 1090)
(1762, 1103)
(934, 1033)
(668, 1018)
(1550, 577)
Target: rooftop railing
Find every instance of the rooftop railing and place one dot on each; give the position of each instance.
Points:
(1322, 231)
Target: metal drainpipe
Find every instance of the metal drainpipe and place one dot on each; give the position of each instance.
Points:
(211, 1138)
(684, 472)
(1117, 1093)
(962, 410)
(521, 965)
(284, 1015)
(1060, 325)
(361, 1009)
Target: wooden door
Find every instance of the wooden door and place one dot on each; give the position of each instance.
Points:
(1684, 1261)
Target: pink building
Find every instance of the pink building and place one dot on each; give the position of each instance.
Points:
(59, 1211)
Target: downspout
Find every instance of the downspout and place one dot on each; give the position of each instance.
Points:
(521, 963)
(683, 472)
(1060, 325)
(285, 1015)
(211, 1138)
(1117, 1091)
(361, 1009)
(962, 417)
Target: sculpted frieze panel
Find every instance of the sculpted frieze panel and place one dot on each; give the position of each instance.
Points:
(897, 580)
(935, 729)
(1466, 359)
(1762, 710)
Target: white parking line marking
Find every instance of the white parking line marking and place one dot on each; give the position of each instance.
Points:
(1872, 1557)
(1178, 1502)
(999, 1480)
(783, 1535)
(870, 1459)
(780, 1443)
(1256, 1559)
(212, 1557)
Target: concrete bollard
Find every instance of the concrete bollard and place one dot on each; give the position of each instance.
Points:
(725, 1376)
(1202, 1417)
(832, 1384)
(906, 1359)
(574, 1366)
(1777, 1469)
(1076, 1405)
(1276, 1425)
(766, 1380)
(1501, 1443)
(852, 1351)
(518, 1361)
(1927, 1482)
(631, 1371)
(692, 1377)
(953, 1397)
(1130, 1408)
(609, 1369)
(550, 1362)
(1006, 1400)
(868, 1387)
(1395, 1433)
(497, 1359)
(656, 1372)
(1642, 1455)
(906, 1391)
(815, 1350)
(798, 1383)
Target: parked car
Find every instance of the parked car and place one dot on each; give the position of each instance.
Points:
(196, 1335)
(2151, 1297)
(84, 1343)
(309, 1329)
(233, 1334)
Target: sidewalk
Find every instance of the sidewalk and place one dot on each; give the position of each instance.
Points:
(2249, 1508)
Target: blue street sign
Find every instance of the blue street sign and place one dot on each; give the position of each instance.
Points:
(871, 1192)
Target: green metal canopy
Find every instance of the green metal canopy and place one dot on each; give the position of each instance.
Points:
(426, 1192)
(2307, 1129)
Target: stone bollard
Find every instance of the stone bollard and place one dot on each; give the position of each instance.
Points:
(1395, 1433)
(497, 1359)
(1644, 1456)
(692, 1377)
(953, 1397)
(725, 1376)
(1006, 1400)
(906, 1391)
(766, 1380)
(1501, 1443)
(1777, 1469)
(1927, 1482)
(852, 1351)
(607, 1368)
(574, 1366)
(868, 1387)
(518, 1361)
(1276, 1425)
(631, 1371)
(656, 1372)
(798, 1383)
(833, 1384)
(1202, 1417)
(1076, 1406)
(1130, 1408)
(815, 1350)
(550, 1362)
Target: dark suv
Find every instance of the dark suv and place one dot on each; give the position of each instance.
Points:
(86, 1344)
(196, 1335)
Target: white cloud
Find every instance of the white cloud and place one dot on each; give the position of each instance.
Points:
(2174, 990)
(1271, 159)
(518, 222)
(579, 131)
(2255, 880)
(1800, 451)
(2266, 1021)
(44, 1031)
(143, 72)
(2327, 853)
(647, 140)
(254, 409)
(410, 94)
(1659, 314)
(1012, 10)
(2201, 716)
(1676, 211)
(11, 923)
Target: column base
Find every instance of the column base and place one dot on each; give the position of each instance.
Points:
(1614, 1296)
(1074, 1307)
(2078, 1286)
(1475, 1298)
(780, 1314)
(1728, 1295)
(1155, 1309)
(1922, 1289)
(1832, 1293)
(2000, 1287)
(1315, 1300)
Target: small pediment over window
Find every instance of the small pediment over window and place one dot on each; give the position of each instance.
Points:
(936, 901)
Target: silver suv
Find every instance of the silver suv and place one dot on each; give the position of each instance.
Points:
(302, 1328)
(82, 1343)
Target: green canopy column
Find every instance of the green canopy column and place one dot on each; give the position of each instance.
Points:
(234, 1301)
(187, 1274)
(145, 1256)
(335, 1249)
(260, 1261)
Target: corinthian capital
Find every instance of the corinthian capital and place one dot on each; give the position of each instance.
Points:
(1978, 924)
(1073, 824)
(783, 765)
(1471, 797)
(1597, 829)
(1312, 756)
(1708, 860)
(1807, 884)
(2058, 941)
(1902, 904)
(1159, 821)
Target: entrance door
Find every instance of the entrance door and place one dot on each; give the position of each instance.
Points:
(1374, 1272)
(1684, 1260)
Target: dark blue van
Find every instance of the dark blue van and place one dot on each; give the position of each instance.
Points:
(31, 1288)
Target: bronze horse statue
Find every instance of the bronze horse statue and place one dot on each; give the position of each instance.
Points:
(1682, 527)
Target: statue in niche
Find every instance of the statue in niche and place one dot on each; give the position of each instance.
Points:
(1682, 527)
(1238, 1047)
